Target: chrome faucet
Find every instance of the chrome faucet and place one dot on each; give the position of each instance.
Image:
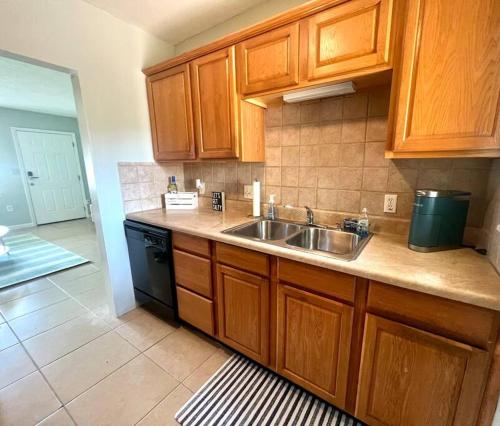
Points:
(310, 216)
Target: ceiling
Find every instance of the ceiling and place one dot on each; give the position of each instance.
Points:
(174, 20)
(33, 88)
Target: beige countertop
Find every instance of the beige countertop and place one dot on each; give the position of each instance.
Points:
(461, 275)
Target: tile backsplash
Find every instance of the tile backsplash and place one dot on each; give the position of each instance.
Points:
(491, 227)
(329, 155)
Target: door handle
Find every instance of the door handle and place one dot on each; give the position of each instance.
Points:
(31, 176)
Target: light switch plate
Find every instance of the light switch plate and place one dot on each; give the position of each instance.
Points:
(248, 191)
(390, 203)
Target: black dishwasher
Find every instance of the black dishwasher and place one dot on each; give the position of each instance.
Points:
(152, 267)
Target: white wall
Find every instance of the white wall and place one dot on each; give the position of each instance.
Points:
(107, 55)
(251, 16)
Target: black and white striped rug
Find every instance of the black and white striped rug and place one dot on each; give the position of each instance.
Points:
(244, 393)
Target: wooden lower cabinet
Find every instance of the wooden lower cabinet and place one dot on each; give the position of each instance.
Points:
(243, 312)
(196, 310)
(314, 337)
(412, 377)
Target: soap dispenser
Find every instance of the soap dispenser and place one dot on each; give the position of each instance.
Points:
(363, 223)
(271, 208)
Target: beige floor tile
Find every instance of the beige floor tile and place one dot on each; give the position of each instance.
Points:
(44, 319)
(92, 299)
(163, 414)
(73, 273)
(145, 330)
(76, 372)
(106, 313)
(85, 283)
(33, 302)
(25, 289)
(7, 337)
(14, 365)
(27, 401)
(2, 319)
(125, 396)
(59, 418)
(206, 370)
(181, 353)
(57, 342)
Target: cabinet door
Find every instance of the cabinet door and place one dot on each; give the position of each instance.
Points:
(411, 377)
(171, 114)
(269, 61)
(346, 38)
(447, 97)
(314, 337)
(215, 104)
(243, 307)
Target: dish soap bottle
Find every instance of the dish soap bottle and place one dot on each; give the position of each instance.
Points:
(271, 208)
(363, 223)
(172, 185)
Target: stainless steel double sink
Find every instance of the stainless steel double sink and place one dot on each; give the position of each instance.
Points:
(316, 239)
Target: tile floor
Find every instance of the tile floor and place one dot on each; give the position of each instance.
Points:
(65, 359)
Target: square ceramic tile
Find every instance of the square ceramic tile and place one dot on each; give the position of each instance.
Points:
(14, 365)
(57, 342)
(27, 401)
(93, 299)
(25, 289)
(200, 376)
(145, 330)
(7, 337)
(73, 273)
(85, 283)
(59, 418)
(163, 414)
(44, 319)
(181, 353)
(76, 372)
(106, 313)
(25, 305)
(125, 396)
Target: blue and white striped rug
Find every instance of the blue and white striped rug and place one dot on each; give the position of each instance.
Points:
(31, 257)
(244, 393)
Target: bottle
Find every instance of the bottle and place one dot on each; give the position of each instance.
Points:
(363, 223)
(172, 185)
(271, 208)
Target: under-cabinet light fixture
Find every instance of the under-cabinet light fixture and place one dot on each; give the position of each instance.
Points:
(320, 92)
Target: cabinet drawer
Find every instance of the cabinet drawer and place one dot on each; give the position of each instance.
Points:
(192, 244)
(241, 258)
(466, 323)
(196, 310)
(193, 272)
(331, 283)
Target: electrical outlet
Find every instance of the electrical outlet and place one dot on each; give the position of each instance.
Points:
(9, 208)
(390, 203)
(248, 191)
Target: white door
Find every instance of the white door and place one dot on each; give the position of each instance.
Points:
(53, 174)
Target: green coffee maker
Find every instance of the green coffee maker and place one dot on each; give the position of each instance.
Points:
(438, 220)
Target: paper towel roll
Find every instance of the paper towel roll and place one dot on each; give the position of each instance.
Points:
(256, 198)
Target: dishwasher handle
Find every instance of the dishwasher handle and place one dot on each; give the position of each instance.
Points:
(154, 243)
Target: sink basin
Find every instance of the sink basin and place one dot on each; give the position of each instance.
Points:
(329, 240)
(307, 238)
(266, 230)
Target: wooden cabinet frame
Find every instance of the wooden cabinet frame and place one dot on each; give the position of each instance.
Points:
(185, 150)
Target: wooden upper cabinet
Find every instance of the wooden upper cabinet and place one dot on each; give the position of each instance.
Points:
(446, 96)
(347, 38)
(171, 115)
(411, 377)
(314, 337)
(243, 308)
(215, 104)
(269, 61)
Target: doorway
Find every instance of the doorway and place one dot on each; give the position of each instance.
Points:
(52, 174)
